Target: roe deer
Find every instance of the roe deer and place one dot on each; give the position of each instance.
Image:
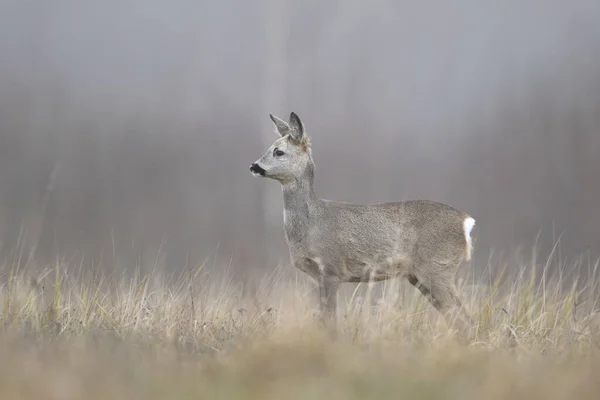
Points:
(337, 242)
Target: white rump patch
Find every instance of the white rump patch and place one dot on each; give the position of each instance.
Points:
(468, 225)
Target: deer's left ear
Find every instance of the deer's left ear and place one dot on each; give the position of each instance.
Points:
(296, 127)
(282, 127)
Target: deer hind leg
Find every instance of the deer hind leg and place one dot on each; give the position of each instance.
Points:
(437, 285)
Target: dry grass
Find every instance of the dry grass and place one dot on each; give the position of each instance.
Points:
(67, 334)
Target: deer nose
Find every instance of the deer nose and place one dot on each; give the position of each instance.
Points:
(256, 169)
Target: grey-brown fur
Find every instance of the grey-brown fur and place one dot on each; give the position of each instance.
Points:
(336, 242)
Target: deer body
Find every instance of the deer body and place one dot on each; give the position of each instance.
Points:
(334, 242)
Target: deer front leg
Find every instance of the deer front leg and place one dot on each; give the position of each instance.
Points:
(328, 288)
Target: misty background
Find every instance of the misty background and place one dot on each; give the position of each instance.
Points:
(127, 127)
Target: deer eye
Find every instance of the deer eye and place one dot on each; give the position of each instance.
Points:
(278, 153)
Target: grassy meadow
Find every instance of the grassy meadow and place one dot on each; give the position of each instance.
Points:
(68, 332)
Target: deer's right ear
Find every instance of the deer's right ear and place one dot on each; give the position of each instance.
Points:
(282, 127)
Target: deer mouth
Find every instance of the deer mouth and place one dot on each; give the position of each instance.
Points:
(257, 170)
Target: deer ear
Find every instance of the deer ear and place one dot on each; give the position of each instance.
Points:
(296, 127)
(282, 127)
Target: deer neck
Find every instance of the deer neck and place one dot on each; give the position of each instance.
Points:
(299, 203)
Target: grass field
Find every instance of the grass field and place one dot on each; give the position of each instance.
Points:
(68, 334)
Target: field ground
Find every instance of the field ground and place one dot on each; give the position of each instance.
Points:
(71, 335)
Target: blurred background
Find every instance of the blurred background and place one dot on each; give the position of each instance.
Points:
(127, 127)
